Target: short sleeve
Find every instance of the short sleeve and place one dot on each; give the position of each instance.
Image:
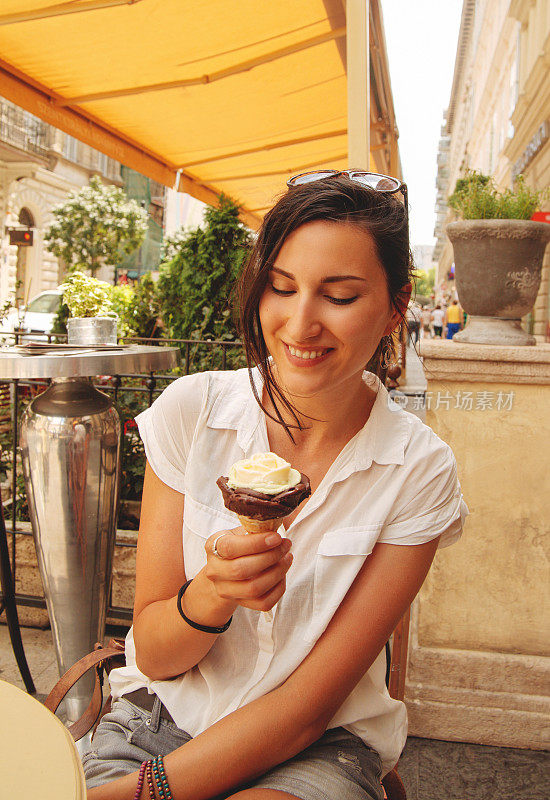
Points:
(168, 426)
(430, 503)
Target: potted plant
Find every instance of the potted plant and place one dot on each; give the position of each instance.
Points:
(498, 253)
(92, 319)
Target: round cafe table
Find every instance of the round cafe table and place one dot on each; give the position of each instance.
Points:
(70, 445)
(39, 757)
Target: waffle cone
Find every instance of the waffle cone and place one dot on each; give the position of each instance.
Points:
(259, 525)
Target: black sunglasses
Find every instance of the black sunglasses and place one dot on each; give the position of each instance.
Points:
(374, 180)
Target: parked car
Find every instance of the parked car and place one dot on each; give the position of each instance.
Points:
(38, 315)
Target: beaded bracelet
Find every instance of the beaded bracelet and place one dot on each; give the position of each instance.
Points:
(140, 780)
(150, 781)
(160, 779)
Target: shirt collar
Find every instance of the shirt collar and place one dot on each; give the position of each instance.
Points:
(384, 436)
(236, 408)
(382, 439)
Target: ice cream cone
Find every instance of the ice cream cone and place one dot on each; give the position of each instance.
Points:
(259, 525)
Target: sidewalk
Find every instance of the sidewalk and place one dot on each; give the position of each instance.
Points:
(414, 381)
(430, 769)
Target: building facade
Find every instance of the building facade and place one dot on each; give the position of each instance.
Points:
(498, 117)
(39, 166)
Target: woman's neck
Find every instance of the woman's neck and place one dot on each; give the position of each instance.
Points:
(333, 417)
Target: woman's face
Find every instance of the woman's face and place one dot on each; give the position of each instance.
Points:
(325, 308)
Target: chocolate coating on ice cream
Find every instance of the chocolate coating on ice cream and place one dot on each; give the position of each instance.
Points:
(258, 505)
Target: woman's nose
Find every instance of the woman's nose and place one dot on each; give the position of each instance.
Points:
(303, 322)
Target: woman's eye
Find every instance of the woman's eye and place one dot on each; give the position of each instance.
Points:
(282, 292)
(341, 301)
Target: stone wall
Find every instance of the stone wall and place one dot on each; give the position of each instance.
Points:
(479, 665)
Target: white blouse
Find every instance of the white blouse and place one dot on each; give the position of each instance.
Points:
(395, 482)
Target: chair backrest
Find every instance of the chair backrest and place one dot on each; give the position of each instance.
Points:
(396, 670)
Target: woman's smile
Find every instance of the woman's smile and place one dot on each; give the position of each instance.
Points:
(302, 357)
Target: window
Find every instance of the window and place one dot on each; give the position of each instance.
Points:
(70, 148)
(45, 304)
(102, 163)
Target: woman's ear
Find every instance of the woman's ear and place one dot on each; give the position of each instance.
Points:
(400, 306)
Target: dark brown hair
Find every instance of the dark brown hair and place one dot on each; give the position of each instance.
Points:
(331, 200)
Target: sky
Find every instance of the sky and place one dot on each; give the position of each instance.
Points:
(421, 38)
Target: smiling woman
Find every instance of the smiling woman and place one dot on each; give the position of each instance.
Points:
(291, 703)
(325, 318)
(331, 269)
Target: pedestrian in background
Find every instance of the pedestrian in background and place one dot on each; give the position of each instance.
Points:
(438, 317)
(454, 319)
(426, 318)
(413, 322)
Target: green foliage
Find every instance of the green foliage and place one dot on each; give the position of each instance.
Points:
(476, 197)
(424, 282)
(171, 244)
(87, 297)
(195, 286)
(95, 226)
(130, 404)
(145, 309)
(137, 307)
(60, 320)
(122, 300)
(132, 471)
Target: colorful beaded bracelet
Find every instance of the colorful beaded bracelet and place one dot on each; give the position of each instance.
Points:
(140, 780)
(161, 780)
(150, 781)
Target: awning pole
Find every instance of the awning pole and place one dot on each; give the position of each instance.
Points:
(357, 48)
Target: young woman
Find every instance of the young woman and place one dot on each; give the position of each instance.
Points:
(290, 704)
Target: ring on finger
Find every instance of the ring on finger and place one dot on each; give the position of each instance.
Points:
(215, 545)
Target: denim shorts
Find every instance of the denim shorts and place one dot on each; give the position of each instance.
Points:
(338, 765)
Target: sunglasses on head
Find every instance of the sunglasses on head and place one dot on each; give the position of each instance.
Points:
(380, 183)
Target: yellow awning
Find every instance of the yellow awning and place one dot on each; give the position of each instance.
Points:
(209, 96)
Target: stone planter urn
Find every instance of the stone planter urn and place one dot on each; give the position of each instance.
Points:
(498, 265)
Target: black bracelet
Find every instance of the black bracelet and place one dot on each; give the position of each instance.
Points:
(197, 625)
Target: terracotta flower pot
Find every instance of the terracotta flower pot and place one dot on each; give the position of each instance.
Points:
(498, 265)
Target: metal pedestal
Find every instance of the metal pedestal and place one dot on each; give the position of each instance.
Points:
(70, 447)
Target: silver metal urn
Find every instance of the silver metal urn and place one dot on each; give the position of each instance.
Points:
(92, 330)
(70, 446)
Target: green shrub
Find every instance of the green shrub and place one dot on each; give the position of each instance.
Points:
(195, 287)
(145, 309)
(476, 197)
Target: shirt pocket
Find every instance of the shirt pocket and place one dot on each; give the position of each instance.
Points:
(340, 555)
(199, 522)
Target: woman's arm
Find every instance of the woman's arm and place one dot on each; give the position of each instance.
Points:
(279, 725)
(165, 644)
(251, 574)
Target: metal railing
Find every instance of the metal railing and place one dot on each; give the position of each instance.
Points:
(196, 355)
(21, 129)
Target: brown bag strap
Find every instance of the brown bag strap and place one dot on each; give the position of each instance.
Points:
(101, 658)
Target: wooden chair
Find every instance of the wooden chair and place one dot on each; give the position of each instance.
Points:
(103, 659)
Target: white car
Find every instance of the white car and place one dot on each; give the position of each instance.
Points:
(37, 317)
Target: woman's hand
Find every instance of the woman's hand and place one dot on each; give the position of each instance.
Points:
(251, 568)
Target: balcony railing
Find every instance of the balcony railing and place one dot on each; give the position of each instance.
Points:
(20, 129)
